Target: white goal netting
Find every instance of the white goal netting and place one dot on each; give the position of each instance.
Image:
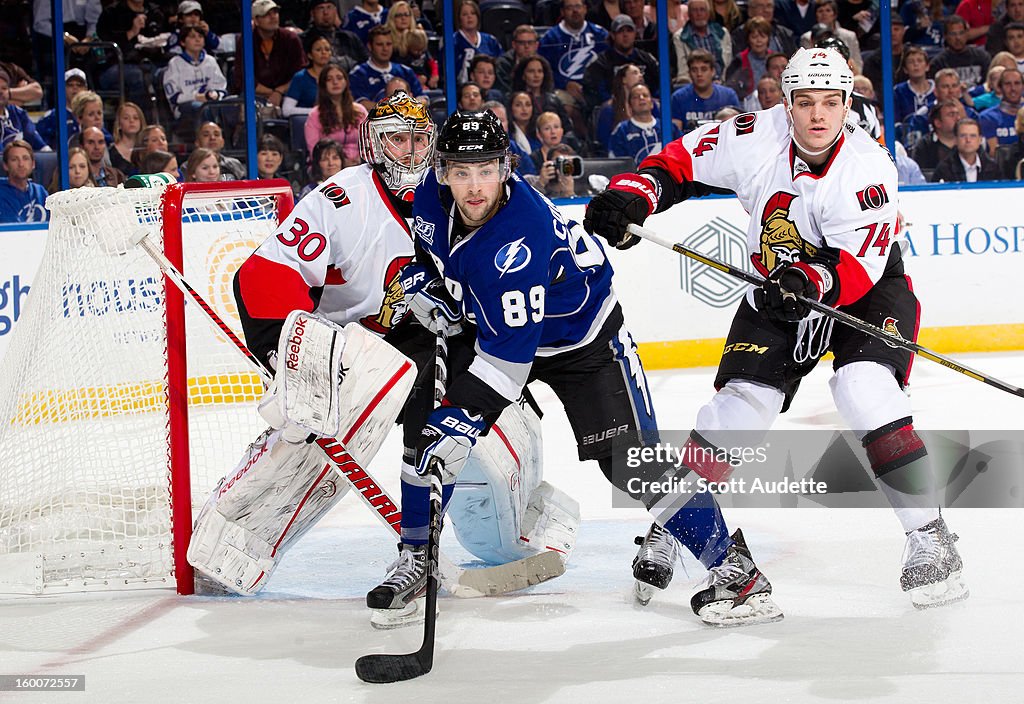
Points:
(85, 474)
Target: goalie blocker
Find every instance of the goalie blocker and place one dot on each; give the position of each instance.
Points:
(502, 509)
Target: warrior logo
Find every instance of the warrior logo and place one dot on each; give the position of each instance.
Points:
(393, 307)
(781, 243)
(890, 327)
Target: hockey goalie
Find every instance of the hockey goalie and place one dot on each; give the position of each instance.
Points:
(321, 303)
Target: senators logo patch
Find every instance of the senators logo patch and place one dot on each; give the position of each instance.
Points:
(745, 123)
(336, 194)
(393, 307)
(873, 197)
(890, 327)
(781, 243)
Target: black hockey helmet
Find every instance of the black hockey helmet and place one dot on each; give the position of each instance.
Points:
(472, 137)
(834, 42)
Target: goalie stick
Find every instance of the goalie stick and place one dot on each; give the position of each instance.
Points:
(828, 311)
(460, 582)
(384, 668)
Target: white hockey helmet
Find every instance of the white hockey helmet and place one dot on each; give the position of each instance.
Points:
(397, 114)
(816, 69)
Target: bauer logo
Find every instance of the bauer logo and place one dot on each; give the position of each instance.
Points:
(724, 241)
(12, 301)
(94, 299)
(513, 257)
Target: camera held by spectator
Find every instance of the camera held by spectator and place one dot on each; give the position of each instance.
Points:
(568, 165)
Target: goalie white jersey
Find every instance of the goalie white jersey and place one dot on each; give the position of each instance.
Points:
(848, 205)
(337, 254)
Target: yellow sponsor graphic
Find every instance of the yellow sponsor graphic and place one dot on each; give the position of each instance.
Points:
(678, 354)
(745, 347)
(134, 398)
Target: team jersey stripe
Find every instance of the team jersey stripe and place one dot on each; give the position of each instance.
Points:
(675, 159)
(385, 196)
(854, 281)
(271, 289)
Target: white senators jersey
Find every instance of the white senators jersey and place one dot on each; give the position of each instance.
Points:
(337, 254)
(849, 205)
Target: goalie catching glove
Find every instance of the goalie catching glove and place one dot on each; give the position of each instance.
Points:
(778, 298)
(449, 435)
(425, 294)
(628, 200)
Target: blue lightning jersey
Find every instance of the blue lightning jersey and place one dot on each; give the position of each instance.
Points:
(534, 282)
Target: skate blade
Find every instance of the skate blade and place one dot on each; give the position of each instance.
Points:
(643, 592)
(949, 591)
(759, 608)
(390, 619)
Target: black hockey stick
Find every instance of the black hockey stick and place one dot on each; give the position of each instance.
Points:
(384, 668)
(841, 316)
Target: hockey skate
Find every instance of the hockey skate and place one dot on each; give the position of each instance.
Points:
(652, 566)
(932, 566)
(398, 600)
(737, 593)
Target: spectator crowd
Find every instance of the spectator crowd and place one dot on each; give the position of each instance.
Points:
(154, 85)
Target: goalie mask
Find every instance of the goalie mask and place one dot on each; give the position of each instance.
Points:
(397, 139)
(472, 137)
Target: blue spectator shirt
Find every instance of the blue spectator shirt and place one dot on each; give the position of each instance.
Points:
(303, 89)
(464, 51)
(47, 127)
(568, 53)
(16, 124)
(367, 81)
(360, 22)
(22, 206)
(637, 141)
(996, 123)
(906, 102)
(691, 109)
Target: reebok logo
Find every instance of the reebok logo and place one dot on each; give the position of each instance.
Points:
(295, 344)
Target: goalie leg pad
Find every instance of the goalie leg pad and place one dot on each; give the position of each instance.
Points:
(501, 509)
(278, 492)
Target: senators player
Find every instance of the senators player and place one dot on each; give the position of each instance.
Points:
(823, 202)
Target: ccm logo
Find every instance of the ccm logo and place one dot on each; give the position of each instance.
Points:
(460, 426)
(295, 344)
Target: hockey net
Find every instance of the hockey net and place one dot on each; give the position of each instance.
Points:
(120, 406)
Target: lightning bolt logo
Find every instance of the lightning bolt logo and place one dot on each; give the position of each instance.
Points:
(513, 257)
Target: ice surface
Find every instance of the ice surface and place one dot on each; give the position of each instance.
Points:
(850, 634)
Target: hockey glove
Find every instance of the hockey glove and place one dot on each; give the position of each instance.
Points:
(449, 435)
(628, 200)
(777, 298)
(424, 295)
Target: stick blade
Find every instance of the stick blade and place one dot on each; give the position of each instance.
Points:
(501, 579)
(384, 669)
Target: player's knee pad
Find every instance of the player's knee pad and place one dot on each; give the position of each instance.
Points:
(500, 490)
(278, 491)
(868, 396)
(739, 414)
